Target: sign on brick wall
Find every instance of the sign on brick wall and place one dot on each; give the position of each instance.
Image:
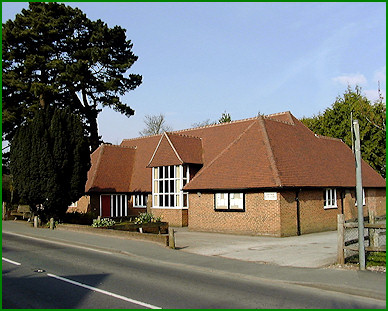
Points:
(270, 196)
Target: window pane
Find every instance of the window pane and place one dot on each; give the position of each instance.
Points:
(172, 190)
(172, 171)
(185, 200)
(156, 188)
(156, 201)
(123, 205)
(172, 201)
(161, 201)
(161, 186)
(155, 172)
(160, 172)
(178, 185)
(166, 186)
(177, 171)
(113, 200)
(166, 201)
(166, 172)
(177, 199)
(184, 171)
(221, 201)
(236, 201)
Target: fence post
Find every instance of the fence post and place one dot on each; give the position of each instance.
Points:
(171, 238)
(373, 233)
(35, 221)
(341, 239)
(52, 223)
(4, 211)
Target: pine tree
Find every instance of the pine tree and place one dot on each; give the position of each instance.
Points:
(54, 55)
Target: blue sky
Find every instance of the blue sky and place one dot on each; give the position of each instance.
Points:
(201, 59)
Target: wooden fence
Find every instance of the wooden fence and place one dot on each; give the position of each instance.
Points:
(372, 235)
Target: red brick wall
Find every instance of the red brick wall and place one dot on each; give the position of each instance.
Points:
(376, 200)
(83, 205)
(174, 217)
(260, 217)
(313, 217)
(134, 211)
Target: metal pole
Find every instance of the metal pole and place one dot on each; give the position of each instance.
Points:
(357, 147)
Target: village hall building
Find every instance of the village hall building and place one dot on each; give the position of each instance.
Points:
(268, 175)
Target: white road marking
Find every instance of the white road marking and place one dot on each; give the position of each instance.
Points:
(59, 243)
(11, 261)
(104, 292)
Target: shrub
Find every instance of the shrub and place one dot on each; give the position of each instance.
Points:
(145, 218)
(104, 222)
(79, 218)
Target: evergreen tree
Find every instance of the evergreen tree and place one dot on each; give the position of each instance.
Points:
(53, 54)
(335, 121)
(225, 118)
(49, 161)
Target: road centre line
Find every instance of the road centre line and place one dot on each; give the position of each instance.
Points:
(104, 292)
(56, 242)
(11, 261)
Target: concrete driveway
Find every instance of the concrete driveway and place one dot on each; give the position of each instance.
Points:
(309, 250)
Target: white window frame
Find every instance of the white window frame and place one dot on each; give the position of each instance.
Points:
(363, 198)
(117, 208)
(223, 202)
(173, 178)
(139, 200)
(330, 200)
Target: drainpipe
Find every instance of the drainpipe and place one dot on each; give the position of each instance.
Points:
(342, 201)
(297, 212)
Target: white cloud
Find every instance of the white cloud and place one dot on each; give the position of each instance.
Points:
(380, 76)
(351, 79)
(373, 95)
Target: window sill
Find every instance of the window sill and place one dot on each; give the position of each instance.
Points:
(229, 210)
(330, 207)
(169, 207)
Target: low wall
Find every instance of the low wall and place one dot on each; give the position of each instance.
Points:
(158, 238)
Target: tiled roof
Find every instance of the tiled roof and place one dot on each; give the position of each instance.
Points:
(263, 152)
(141, 176)
(296, 156)
(111, 170)
(175, 149)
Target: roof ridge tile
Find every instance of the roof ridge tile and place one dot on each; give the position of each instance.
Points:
(271, 156)
(328, 137)
(222, 152)
(215, 125)
(183, 135)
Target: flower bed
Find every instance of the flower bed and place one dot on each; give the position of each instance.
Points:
(153, 227)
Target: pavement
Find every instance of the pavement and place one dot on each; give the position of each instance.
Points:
(298, 260)
(309, 250)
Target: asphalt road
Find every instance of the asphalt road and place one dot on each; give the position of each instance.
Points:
(41, 274)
